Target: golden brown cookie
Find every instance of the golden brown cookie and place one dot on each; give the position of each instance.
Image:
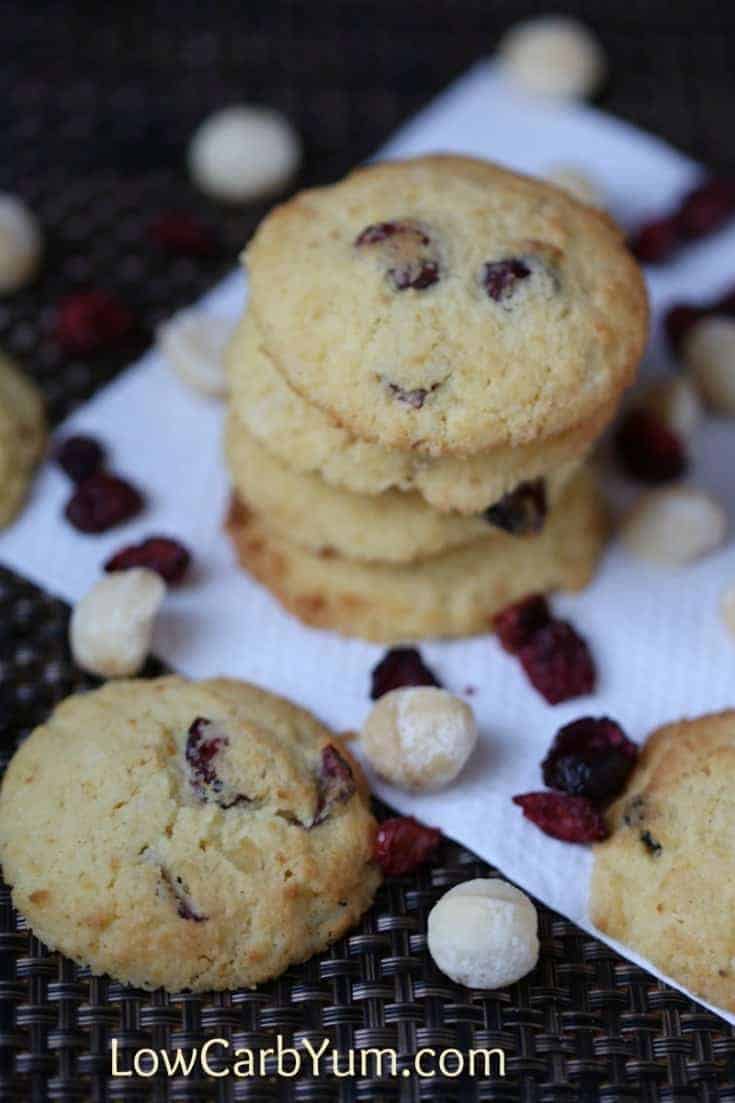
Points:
(22, 436)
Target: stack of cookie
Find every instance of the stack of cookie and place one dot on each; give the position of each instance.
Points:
(430, 350)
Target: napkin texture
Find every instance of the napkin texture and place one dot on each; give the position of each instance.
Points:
(656, 634)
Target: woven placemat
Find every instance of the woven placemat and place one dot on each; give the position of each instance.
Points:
(95, 122)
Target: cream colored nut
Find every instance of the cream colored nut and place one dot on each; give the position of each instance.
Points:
(676, 402)
(709, 354)
(243, 152)
(194, 344)
(728, 608)
(484, 934)
(579, 185)
(419, 738)
(554, 56)
(20, 244)
(674, 526)
(111, 627)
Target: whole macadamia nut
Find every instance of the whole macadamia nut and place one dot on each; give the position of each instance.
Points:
(419, 737)
(20, 244)
(709, 354)
(193, 344)
(553, 55)
(484, 934)
(243, 152)
(112, 626)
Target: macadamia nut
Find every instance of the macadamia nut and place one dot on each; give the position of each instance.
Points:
(484, 934)
(728, 608)
(419, 737)
(676, 403)
(553, 55)
(709, 354)
(20, 244)
(112, 626)
(193, 343)
(579, 185)
(243, 152)
(674, 526)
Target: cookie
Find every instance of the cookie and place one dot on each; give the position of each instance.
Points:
(22, 437)
(393, 527)
(186, 835)
(454, 594)
(448, 305)
(664, 882)
(310, 441)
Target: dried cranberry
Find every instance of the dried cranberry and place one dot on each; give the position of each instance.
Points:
(725, 304)
(648, 450)
(101, 502)
(655, 241)
(558, 663)
(336, 782)
(571, 819)
(403, 844)
(499, 277)
(414, 398)
(706, 208)
(401, 666)
(167, 557)
(182, 234)
(411, 259)
(184, 906)
(91, 321)
(678, 320)
(203, 744)
(516, 624)
(520, 511)
(591, 757)
(80, 457)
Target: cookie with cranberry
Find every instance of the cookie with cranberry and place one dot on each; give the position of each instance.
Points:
(310, 441)
(664, 882)
(190, 835)
(452, 594)
(448, 305)
(22, 437)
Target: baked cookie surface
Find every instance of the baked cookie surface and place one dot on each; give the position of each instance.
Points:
(22, 436)
(448, 305)
(664, 882)
(453, 594)
(188, 835)
(308, 440)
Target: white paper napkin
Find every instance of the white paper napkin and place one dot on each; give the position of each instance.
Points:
(656, 635)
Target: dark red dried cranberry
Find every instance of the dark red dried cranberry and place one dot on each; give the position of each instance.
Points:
(411, 259)
(571, 819)
(335, 782)
(415, 397)
(203, 744)
(591, 757)
(558, 663)
(648, 450)
(516, 624)
(167, 557)
(403, 844)
(499, 277)
(401, 666)
(725, 304)
(184, 906)
(520, 511)
(182, 234)
(678, 320)
(656, 240)
(706, 208)
(80, 457)
(92, 321)
(101, 502)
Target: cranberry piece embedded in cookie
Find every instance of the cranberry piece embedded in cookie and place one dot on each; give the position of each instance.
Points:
(558, 663)
(499, 277)
(520, 511)
(517, 623)
(706, 208)
(415, 397)
(80, 456)
(91, 321)
(203, 744)
(571, 819)
(591, 757)
(648, 449)
(167, 557)
(101, 502)
(403, 844)
(335, 782)
(401, 666)
(411, 258)
(184, 906)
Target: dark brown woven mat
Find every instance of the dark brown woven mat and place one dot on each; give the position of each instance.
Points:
(95, 109)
